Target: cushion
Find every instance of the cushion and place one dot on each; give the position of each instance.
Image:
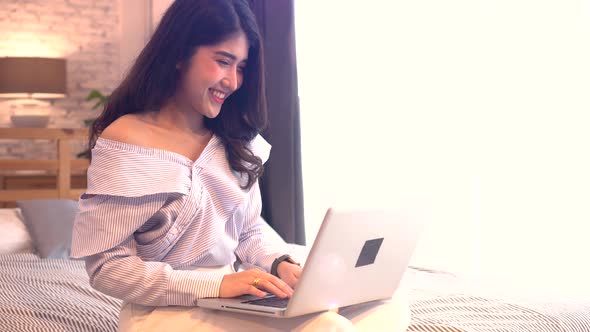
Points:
(15, 236)
(50, 223)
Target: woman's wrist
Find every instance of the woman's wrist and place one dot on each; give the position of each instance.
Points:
(275, 264)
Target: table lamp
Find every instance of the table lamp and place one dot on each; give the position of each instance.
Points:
(28, 79)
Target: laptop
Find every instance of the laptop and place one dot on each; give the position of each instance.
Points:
(358, 256)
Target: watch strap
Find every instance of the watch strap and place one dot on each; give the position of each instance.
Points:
(275, 264)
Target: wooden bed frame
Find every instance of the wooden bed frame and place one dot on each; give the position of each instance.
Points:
(62, 167)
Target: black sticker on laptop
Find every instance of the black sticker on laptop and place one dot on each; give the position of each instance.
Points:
(369, 252)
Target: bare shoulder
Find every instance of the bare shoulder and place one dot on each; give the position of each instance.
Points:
(127, 129)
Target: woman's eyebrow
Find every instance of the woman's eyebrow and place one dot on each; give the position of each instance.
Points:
(228, 55)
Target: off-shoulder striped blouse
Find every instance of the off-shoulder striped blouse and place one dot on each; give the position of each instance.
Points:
(150, 216)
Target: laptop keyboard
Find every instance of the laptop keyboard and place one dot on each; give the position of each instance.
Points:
(271, 301)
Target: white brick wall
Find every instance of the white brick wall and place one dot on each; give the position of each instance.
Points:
(86, 34)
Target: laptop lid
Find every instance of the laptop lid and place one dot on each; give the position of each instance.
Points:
(358, 256)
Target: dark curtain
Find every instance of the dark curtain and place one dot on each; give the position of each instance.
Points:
(281, 185)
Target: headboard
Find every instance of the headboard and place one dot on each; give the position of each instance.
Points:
(62, 166)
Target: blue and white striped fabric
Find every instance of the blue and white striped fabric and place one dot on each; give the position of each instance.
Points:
(54, 295)
(150, 216)
(44, 295)
(441, 302)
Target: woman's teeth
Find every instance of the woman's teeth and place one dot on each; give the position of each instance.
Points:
(218, 94)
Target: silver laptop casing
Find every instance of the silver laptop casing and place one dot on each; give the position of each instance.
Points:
(331, 278)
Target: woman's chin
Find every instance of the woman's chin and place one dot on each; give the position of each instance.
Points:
(212, 114)
(212, 111)
(209, 112)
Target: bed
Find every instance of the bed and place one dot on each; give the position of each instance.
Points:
(41, 292)
(442, 302)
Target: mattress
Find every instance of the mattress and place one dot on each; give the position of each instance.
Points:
(54, 295)
(442, 302)
(51, 295)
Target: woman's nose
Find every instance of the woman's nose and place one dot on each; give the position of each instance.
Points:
(231, 81)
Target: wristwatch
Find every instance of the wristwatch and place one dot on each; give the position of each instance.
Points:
(275, 264)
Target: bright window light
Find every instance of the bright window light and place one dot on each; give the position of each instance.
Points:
(479, 111)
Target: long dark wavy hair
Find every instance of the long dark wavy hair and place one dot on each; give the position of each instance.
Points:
(153, 78)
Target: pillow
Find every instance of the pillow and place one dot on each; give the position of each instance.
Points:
(15, 237)
(50, 223)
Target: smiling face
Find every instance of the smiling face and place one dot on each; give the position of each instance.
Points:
(214, 72)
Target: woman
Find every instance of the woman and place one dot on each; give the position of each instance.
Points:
(173, 198)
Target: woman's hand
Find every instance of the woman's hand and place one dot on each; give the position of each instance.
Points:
(242, 283)
(289, 273)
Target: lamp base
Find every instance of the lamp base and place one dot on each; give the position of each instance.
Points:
(29, 121)
(29, 113)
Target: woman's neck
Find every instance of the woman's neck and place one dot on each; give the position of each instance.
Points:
(180, 117)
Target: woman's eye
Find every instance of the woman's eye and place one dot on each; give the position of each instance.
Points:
(240, 69)
(223, 62)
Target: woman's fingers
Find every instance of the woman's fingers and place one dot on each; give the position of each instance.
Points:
(272, 284)
(282, 285)
(255, 291)
(254, 282)
(272, 288)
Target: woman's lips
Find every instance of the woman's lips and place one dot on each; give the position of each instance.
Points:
(217, 96)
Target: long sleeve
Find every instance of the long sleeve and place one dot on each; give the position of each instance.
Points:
(254, 246)
(150, 216)
(118, 271)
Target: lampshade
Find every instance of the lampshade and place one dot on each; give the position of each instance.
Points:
(32, 77)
